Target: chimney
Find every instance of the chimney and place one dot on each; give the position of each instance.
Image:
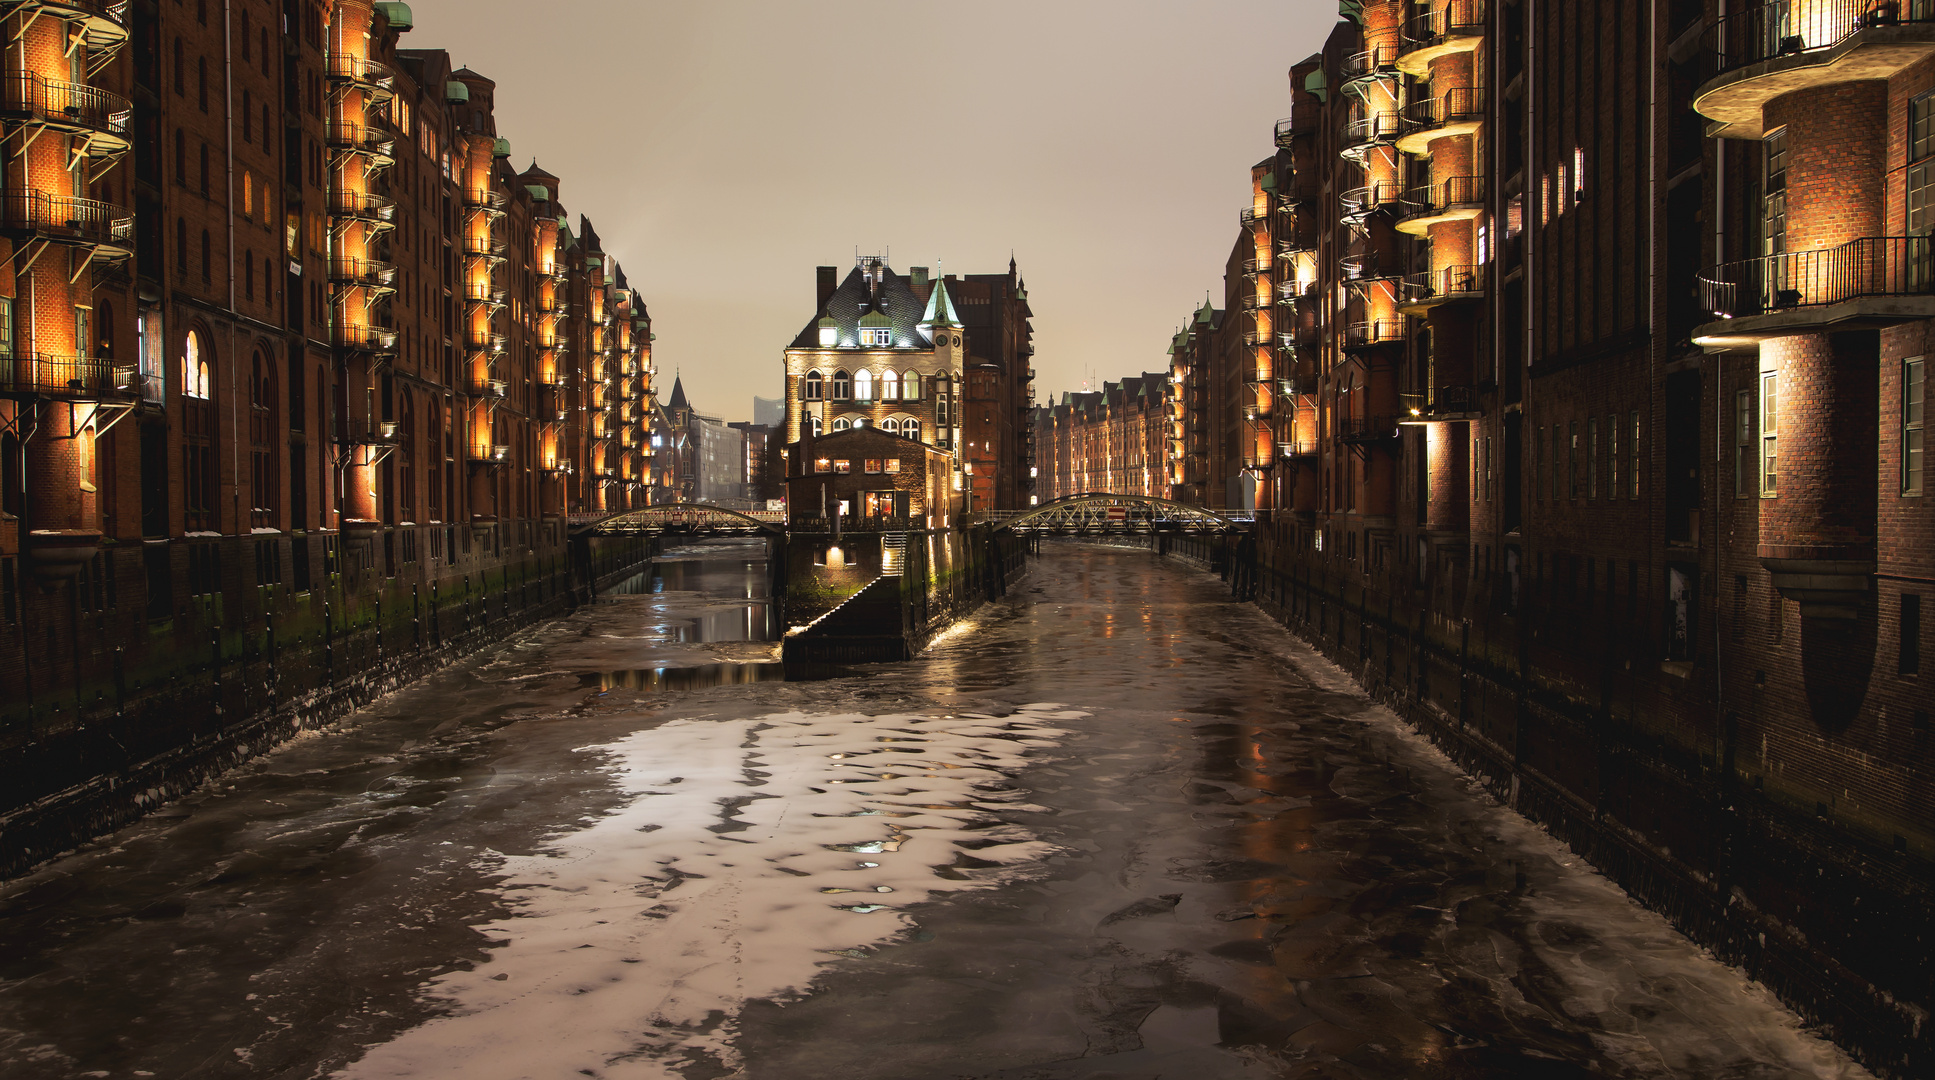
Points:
(828, 283)
(919, 277)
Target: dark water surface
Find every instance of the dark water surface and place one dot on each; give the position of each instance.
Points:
(1116, 826)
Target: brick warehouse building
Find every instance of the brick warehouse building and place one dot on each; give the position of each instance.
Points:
(1595, 412)
(1112, 440)
(303, 381)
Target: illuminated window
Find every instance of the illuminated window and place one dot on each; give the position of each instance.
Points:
(892, 466)
(813, 387)
(1578, 174)
(910, 429)
(1921, 163)
(863, 385)
(1913, 395)
(1769, 435)
(1773, 220)
(194, 369)
(890, 385)
(6, 326)
(1632, 448)
(877, 335)
(842, 466)
(814, 423)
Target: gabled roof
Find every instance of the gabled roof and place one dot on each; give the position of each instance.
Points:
(678, 394)
(893, 303)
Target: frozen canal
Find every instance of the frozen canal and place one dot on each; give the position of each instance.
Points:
(1116, 826)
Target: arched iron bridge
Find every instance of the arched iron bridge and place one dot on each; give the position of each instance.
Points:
(1101, 514)
(684, 519)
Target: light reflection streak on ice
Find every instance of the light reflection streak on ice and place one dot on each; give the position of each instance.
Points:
(636, 939)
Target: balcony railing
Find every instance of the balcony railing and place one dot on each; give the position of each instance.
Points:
(1433, 199)
(68, 220)
(1446, 283)
(361, 204)
(1258, 463)
(1252, 214)
(483, 292)
(1792, 27)
(1371, 332)
(1460, 105)
(67, 105)
(360, 138)
(493, 455)
(1368, 266)
(485, 341)
(1872, 266)
(1442, 401)
(486, 246)
(490, 388)
(349, 270)
(1299, 122)
(364, 338)
(1301, 446)
(1379, 61)
(1371, 130)
(488, 199)
(1253, 267)
(361, 71)
(1359, 201)
(1363, 429)
(1457, 19)
(68, 377)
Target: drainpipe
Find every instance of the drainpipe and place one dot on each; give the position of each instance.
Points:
(228, 126)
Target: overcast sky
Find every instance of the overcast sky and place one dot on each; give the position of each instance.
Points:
(724, 148)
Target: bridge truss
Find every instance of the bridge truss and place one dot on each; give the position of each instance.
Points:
(1115, 515)
(685, 519)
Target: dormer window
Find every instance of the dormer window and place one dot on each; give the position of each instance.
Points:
(813, 388)
(882, 336)
(842, 387)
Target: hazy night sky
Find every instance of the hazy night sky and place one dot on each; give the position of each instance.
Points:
(724, 148)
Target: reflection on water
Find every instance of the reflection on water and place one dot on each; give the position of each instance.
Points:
(692, 678)
(701, 676)
(720, 582)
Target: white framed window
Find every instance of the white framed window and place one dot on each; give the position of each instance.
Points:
(1913, 406)
(910, 429)
(863, 385)
(890, 425)
(890, 385)
(841, 424)
(1769, 435)
(877, 336)
(842, 386)
(813, 387)
(1744, 483)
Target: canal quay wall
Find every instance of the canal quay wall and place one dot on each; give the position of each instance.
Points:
(1835, 923)
(148, 708)
(882, 597)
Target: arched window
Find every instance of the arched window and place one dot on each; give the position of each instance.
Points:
(841, 424)
(890, 425)
(910, 429)
(863, 385)
(815, 424)
(890, 385)
(841, 386)
(814, 387)
(198, 435)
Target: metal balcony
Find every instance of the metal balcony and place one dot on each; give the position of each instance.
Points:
(1375, 63)
(1371, 333)
(1253, 267)
(363, 205)
(1367, 429)
(485, 246)
(60, 219)
(103, 23)
(1460, 198)
(372, 273)
(1770, 49)
(1368, 132)
(366, 139)
(1424, 291)
(1297, 447)
(484, 292)
(1361, 202)
(487, 199)
(491, 455)
(485, 341)
(1878, 279)
(1457, 27)
(72, 107)
(1439, 404)
(1368, 266)
(67, 378)
(1252, 214)
(379, 339)
(362, 73)
(1459, 111)
(490, 388)
(1299, 122)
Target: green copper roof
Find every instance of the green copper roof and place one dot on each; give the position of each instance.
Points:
(1269, 182)
(1206, 314)
(829, 323)
(876, 318)
(503, 148)
(539, 192)
(401, 20)
(940, 307)
(1315, 83)
(455, 91)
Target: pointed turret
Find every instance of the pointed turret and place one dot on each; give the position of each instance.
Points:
(678, 394)
(940, 309)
